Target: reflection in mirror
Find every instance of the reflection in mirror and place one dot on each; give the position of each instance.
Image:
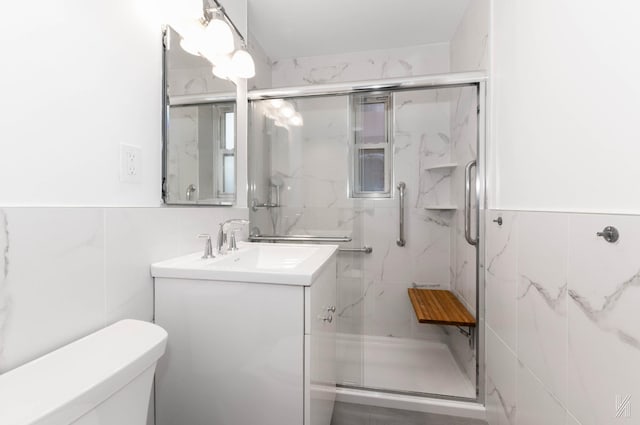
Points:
(200, 154)
(200, 130)
(189, 74)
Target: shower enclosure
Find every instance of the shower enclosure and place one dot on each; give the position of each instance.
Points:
(328, 164)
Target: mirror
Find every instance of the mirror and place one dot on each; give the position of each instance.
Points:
(199, 152)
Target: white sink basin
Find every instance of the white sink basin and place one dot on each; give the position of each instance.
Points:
(288, 264)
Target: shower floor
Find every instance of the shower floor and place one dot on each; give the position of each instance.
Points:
(399, 364)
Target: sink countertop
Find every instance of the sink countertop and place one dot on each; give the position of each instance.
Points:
(285, 264)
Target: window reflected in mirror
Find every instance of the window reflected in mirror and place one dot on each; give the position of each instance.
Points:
(200, 154)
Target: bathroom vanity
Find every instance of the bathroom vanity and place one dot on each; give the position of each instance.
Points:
(251, 336)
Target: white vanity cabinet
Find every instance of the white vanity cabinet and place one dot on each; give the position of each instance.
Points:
(246, 353)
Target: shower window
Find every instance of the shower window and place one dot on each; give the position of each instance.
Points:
(371, 124)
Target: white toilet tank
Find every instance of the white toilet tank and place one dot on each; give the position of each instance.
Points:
(102, 379)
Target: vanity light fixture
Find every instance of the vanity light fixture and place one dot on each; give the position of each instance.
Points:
(208, 33)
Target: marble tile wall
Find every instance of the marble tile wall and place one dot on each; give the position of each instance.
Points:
(358, 66)
(65, 272)
(562, 318)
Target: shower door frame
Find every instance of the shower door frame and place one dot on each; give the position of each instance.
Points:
(440, 81)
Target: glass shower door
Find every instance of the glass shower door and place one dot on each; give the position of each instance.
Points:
(304, 155)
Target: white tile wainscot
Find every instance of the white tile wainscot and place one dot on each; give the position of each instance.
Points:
(68, 271)
(576, 334)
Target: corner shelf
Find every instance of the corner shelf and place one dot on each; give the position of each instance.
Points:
(441, 207)
(441, 166)
(440, 307)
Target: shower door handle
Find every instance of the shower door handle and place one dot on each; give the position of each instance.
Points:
(401, 187)
(467, 203)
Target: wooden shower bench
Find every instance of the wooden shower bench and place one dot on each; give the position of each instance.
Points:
(440, 307)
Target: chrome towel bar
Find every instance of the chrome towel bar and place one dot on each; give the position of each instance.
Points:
(299, 238)
(364, 250)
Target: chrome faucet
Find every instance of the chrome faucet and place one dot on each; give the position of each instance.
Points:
(208, 252)
(222, 236)
(191, 189)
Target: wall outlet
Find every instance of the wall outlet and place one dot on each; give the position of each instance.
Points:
(130, 163)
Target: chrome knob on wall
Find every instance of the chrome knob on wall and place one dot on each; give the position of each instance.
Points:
(610, 234)
(327, 319)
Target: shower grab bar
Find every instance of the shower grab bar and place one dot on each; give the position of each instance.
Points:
(364, 250)
(299, 238)
(467, 203)
(401, 242)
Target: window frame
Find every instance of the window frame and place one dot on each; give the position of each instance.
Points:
(355, 185)
(222, 151)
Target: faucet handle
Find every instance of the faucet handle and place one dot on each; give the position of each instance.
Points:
(233, 243)
(208, 250)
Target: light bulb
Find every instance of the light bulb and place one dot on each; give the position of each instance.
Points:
(222, 67)
(287, 110)
(296, 120)
(243, 64)
(276, 103)
(219, 37)
(189, 46)
(192, 35)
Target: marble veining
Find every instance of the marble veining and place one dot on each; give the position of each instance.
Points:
(435, 184)
(599, 315)
(480, 63)
(438, 221)
(355, 216)
(554, 302)
(508, 410)
(321, 75)
(384, 261)
(502, 250)
(357, 302)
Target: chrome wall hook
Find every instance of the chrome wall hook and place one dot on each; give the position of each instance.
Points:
(498, 220)
(610, 234)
